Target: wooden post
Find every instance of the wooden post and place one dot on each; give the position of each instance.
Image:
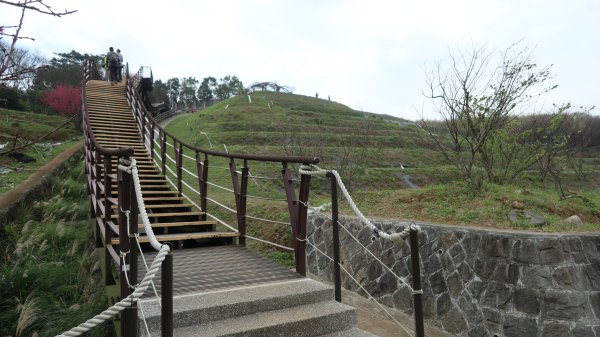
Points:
(302, 223)
(166, 317)
(128, 315)
(336, 239)
(416, 271)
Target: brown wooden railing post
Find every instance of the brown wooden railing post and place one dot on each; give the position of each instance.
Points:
(178, 149)
(152, 126)
(143, 129)
(288, 184)
(416, 276)
(302, 223)
(166, 293)
(336, 238)
(108, 233)
(163, 153)
(202, 168)
(128, 315)
(240, 189)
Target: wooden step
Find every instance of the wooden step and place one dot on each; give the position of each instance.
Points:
(153, 199)
(184, 236)
(180, 224)
(171, 214)
(153, 193)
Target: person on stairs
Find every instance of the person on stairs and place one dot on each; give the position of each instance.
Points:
(113, 65)
(120, 70)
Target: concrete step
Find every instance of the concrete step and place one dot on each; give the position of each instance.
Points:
(307, 320)
(302, 307)
(350, 333)
(211, 306)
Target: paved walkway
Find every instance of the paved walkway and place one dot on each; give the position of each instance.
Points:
(372, 318)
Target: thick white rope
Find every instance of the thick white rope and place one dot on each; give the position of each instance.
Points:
(314, 170)
(125, 303)
(140, 289)
(132, 168)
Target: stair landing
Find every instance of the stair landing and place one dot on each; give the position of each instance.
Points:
(205, 269)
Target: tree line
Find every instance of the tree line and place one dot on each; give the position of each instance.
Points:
(188, 91)
(489, 128)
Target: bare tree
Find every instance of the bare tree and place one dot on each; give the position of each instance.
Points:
(475, 98)
(11, 67)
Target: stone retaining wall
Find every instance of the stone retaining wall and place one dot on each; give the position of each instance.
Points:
(476, 282)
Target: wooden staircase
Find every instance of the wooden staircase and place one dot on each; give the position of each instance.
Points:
(171, 217)
(217, 288)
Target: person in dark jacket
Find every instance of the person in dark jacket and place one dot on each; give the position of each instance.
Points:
(113, 65)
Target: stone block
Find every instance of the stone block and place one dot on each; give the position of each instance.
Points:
(583, 331)
(592, 276)
(484, 268)
(475, 288)
(565, 305)
(455, 285)
(518, 326)
(401, 270)
(497, 295)
(443, 305)
(554, 329)
(500, 273)
(595, 302)
(388, 257)
(591, 248)
(438, 283)
(527, 301)
(493, 319)
(465, 271)
(513, 273)
(470, 308)
(470, 243)
(574, 247)
(495, 246)
(374, 270)
(432, 264)
(536, 277)
(448, 239)
(457, 253)
(447, 262)
(403, 299)
(387, 283)
(568, 277)
(478, 331)
(454, 321)
(550, 251)
(526, 251)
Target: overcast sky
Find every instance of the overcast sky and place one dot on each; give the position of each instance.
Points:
(370, 55)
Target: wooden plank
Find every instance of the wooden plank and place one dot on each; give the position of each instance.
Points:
(184, 236)
(180, 224)
(172, 214)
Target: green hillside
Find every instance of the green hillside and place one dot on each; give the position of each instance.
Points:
(390, 164)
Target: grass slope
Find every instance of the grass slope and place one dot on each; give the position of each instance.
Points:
(49, 271)
(19, 127)
(368, 151)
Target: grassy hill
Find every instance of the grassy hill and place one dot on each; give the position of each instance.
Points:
(18, 128)
(382, 159)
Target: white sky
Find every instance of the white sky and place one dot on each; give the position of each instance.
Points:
(367, 54)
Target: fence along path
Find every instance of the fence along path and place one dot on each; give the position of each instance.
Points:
(217, 287)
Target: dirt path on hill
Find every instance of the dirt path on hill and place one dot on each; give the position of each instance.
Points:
(29, 188)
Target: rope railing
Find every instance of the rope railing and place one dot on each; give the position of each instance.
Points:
(371, 297)
(139, 289)
(397, 238)
(394, 237)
